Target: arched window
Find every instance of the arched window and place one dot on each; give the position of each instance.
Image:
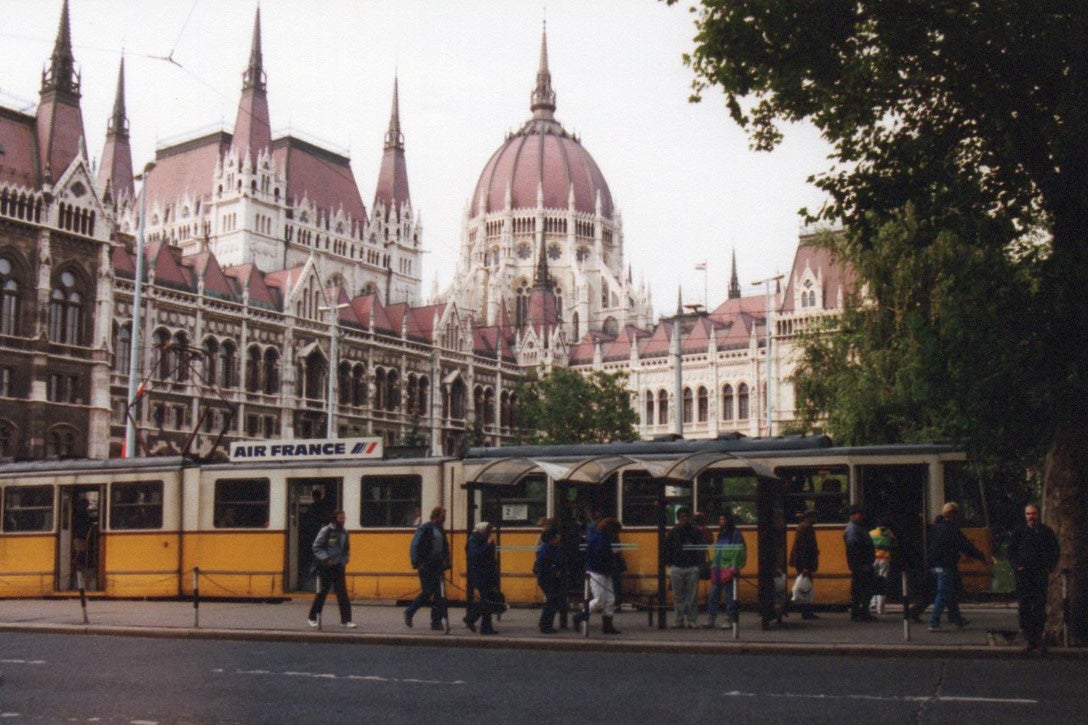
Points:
(66, 311)
(574, 325)
(662, 407)
(313, 376)
(161, 342)
(504, 410)
(489, 407)
(60, 442)
(122, 347)
(9, 299)
(703, 405)
(211, 357)
(457, 400)
(742, 401)
(358, 385)
(253, 369)
(687, 405)
(423, 396)
(7, 439)
(179, 357)
(228, 378)
(343, 383)
(727, 402)
(521, 313)
(392, 396)
(649, 419)
(270, 376)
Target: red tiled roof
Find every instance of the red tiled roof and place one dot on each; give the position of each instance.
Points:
(19, 162)
(323, 177)
(838, 278)
(255, 283)
(186, 168)
(216, 282)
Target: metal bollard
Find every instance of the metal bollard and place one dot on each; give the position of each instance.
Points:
(585, 607)
(736, 605)
(82, 595)
(196, 597)
(906, 608)
(1065, 607)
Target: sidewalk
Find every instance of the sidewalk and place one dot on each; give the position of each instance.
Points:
(383, 623)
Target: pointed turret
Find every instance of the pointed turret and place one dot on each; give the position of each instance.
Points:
(392, 188)
(543, 101)
(543, 307)
(115, 171)
(734, 283)
(252, 131)
(60, 122)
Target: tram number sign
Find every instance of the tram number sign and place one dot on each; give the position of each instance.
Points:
(515, 512)
(307, 449)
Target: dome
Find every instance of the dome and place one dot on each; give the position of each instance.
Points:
(541, 156)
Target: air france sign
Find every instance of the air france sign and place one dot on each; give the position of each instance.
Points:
(306, 449)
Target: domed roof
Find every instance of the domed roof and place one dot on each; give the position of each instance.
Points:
(541, 156)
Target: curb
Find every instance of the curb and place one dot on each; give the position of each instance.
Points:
(579, 644)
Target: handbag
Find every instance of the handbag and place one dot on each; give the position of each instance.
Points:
(802, 590)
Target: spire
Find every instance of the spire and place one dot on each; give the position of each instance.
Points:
(543, 102)
(61, 75)
(59, 119)
(392, 187)
(679, 300)
(115, 172)
(252, 132)
(254, 76)
(734, 283)
(542, 278)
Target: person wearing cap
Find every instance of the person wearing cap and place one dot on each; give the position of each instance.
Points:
(946, 543)
(1033, 554)
(860, 554)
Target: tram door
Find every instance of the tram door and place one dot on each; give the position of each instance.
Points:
(895, 495)
(311, 503)
(78, 542)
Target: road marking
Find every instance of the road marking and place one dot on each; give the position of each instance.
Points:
(22, 662)
(889, 698)
(334, 676)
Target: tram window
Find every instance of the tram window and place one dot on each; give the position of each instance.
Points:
(136, 505)
(824, 489)
(391, 500)
(728, 488)
(241, 503)
(640, 492)
(28, 508)
(962, 485)
(522, 504)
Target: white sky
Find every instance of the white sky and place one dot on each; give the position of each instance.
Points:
(681, 174)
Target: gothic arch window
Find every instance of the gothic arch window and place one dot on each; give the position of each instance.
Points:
(611, 327)
(727, 402)
(662, 407)
(558, 303)
(358, 385)
(687, 410)
(522, 305)
(253, 369)
(380, 390)
(270, 377)
(314, 370)
(66, 310)
(227, 375)
(60, 442)
(9, 298)
(457, 400)
(179, 357)
(343, 383)
(122, 347)
(392, 397)
(742, 401)
(211, 357)
(574, 324)
(703, 401)
(160, 342)
(649, 419)
(489, 407)
(423, 395)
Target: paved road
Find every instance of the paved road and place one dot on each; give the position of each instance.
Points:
(115, 679)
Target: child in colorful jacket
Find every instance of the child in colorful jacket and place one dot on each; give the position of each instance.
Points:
(883, 541)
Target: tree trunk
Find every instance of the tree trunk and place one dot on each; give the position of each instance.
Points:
(1066, 508)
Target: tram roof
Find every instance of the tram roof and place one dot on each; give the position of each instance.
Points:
(97, 464)
(656, 448)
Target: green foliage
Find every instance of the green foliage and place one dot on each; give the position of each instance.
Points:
(566, 406)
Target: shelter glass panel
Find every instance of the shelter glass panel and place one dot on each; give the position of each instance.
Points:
(824, 489)
(728, 488)
(522, 504)
(963, 485)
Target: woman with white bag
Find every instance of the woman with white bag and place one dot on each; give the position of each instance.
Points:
(805, 559)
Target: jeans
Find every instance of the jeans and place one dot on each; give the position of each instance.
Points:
(947, 597)
(685, 583)
(721, 589)
(430, 591)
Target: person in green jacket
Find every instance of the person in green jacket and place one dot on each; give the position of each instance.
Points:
(727, 557)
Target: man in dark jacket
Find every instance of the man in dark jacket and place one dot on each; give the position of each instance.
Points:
(685, 552)
(550, 569)
(1033, 554)
(805, 555)
(483, 579)
(946, 543)
(430, 554)
(332, 550)
(860, 554)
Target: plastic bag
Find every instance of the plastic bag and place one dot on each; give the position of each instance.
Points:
(802, 590)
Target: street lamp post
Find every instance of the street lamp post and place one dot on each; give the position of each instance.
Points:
(766, 282)
(334, 362)
(135, 338)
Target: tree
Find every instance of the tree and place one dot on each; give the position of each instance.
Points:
(565, 406)
(987, 96)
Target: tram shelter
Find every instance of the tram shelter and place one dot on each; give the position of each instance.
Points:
(497, 474)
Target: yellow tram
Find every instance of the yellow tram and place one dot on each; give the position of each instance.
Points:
(147, 527)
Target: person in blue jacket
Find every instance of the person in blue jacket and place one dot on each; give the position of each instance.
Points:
(551, 574)
(483, 579)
